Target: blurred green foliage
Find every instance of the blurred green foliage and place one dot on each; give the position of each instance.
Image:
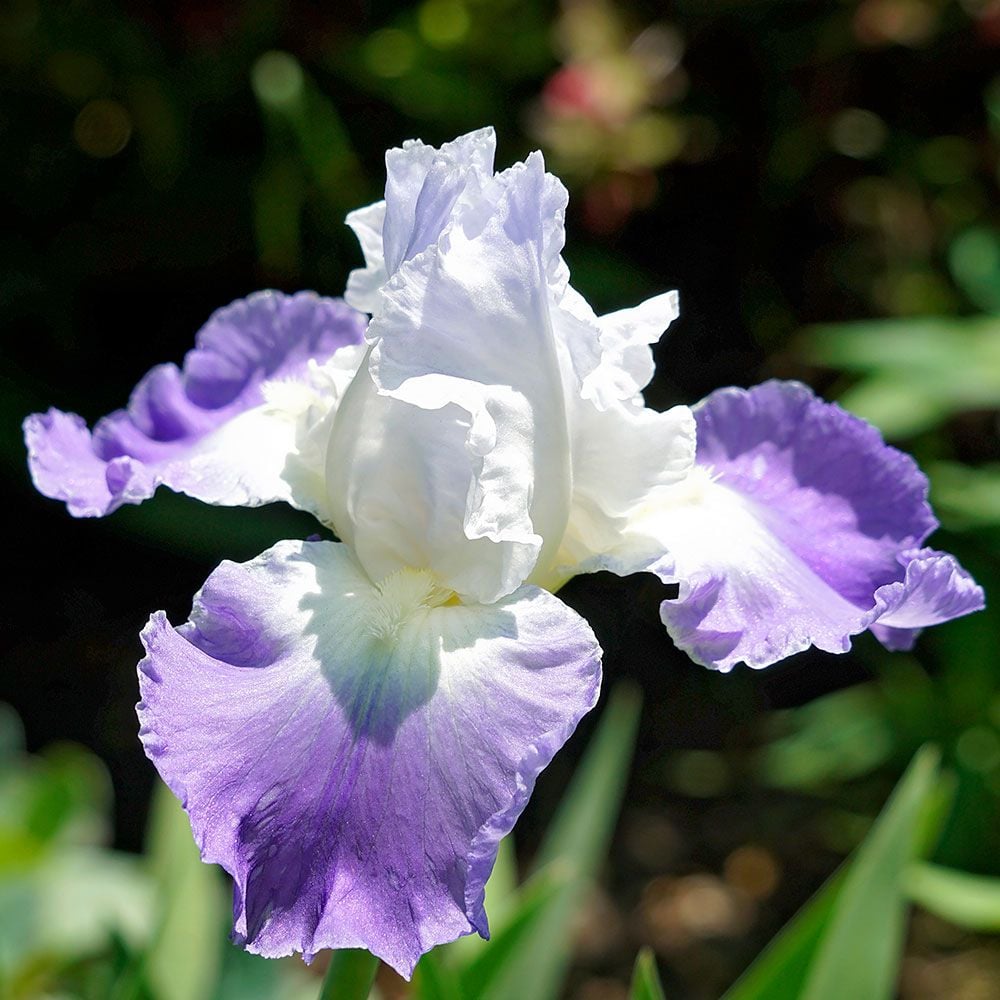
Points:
(78, 919)
(64, 897)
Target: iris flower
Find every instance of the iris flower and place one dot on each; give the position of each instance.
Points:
(354, 725)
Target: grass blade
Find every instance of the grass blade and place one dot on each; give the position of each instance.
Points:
(847, 939)
(859, 953)
(961, 898)
(350, 975)
(645, 979)
(184, 960)
(574, 847)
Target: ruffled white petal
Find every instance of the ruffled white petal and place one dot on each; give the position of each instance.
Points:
(458, 446)
(363, 283)
(610, 355)
(624, 457)
(425, 188)
(476, 321)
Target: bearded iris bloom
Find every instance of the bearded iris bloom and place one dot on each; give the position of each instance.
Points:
(353, 726)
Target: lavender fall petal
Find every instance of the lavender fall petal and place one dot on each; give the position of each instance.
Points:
(352, 756)
(208, 429)
(803, 529)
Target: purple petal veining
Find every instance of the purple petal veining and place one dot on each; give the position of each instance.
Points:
(354, 781)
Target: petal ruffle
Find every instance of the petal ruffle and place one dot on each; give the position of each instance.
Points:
(934, 589)
(351, 756)
(624, 457)
(462, 429)
(423, 185)
(800, 527)
(475, 323)
(610, 356)
(232, 427)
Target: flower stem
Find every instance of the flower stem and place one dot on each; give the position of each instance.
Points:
(350, 975)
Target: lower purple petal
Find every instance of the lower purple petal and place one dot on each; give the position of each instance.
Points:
(355, 777)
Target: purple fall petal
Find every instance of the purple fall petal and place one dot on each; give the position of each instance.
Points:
(934, 589)
(804, 530)
(353, 772)
(173, 412)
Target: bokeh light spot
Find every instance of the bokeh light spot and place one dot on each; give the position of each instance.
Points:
(653, 139)
(277, 79)
(102, 128)
(754, 870)
(947, 159)
(699, 773)
(390, 53)
(76, 75)
(978, 749)
(443, 22)
(857, 133)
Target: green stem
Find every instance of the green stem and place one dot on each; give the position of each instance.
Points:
(350, 975)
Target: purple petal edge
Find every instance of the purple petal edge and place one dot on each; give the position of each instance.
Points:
(934, 589)
(133, 451)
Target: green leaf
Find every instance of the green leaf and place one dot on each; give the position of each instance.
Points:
(779, 971)
(537, 896)
(961, 898)
(858, 955)
(178, 524)
(184, 959)
(914, 372)
(70, 796)
(83, 893)
(251, 977)
(501, 887)
(645, 979)
(574, 847)
(900, 406)
(581, 829)
(11, 735)
(846, 941)
(966, 497)
(434, 979)
(501, 901)
(350, 976)
(974, 262)
(292, 102)
(833, 739)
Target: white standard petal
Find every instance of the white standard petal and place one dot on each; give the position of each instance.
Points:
(424, 190)
(610, 356)
(363, 283)
(625, 458)
(457, 448)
